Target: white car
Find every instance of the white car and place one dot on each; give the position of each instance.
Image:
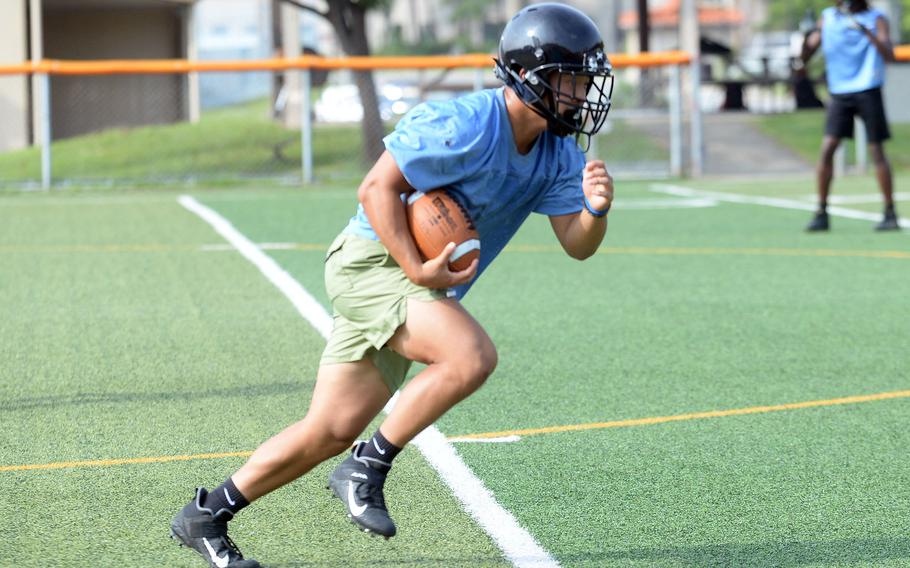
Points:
(341, 103)
(771, 51)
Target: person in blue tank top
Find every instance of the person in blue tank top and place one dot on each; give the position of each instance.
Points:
(503, 154)
(855, 40)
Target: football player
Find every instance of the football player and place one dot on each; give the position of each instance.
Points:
(502, 154)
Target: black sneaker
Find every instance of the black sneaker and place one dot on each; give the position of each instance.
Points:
(888, 223)
(358, 483)
(197, 527)
(818, 223)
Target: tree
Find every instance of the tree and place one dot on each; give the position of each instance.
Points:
(348, 19)
(468, 9)
(786, 15)
(467, 12)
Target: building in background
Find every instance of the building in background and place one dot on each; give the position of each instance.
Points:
(253, 29)
(125, 29)
(720, 21)
(420, 21)
(15, 108)
(87, 30)
(233, 29)
(417, 21)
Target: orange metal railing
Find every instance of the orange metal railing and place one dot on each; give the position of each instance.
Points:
(478, 60)
(116, 67)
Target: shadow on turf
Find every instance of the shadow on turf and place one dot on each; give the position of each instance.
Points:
(835, 552)
(77, 399)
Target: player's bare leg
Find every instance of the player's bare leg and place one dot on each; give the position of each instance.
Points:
(346, 398)
(886, 184)
(459, 354)
(883, 173)
(824, 175)
(825, 170)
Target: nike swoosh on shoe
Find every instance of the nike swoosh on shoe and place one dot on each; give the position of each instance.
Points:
(219, 561)
(356, 509)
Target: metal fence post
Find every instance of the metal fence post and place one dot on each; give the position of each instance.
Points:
(45, 82)
(861, 142)
(675, 99)
(840, 160)
(193, 96)
(478, 79)
(695, 117)
(306, 127)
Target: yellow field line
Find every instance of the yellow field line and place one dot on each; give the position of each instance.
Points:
(669, 251)
(725, 250)
(522, 432)
(103, 463)
(692, 416)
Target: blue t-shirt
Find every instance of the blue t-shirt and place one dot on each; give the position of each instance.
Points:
(851, 61)
(466, 145)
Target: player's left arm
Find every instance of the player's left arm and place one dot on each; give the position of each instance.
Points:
(881, 38)
(581, 233)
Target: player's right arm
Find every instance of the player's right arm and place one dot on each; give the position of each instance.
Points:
(380, 195)
(811, 44)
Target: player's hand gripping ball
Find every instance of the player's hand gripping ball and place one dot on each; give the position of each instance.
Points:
(435, 220)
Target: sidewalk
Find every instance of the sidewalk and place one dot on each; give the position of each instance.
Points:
(734, 145)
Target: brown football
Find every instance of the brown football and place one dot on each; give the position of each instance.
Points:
(435, 220)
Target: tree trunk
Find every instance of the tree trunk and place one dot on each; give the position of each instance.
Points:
(646, 84)
(349, 21)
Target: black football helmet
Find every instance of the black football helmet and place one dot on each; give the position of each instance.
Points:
(545, 51)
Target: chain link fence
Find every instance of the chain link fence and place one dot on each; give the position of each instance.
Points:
(267, 126)
(639, 138)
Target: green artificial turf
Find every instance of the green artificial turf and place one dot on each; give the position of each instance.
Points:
(123, 339)
(126, 335)
(802, 132)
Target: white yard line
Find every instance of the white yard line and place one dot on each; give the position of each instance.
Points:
(855, 199)
(499, 440)
(309, 308)
(682, 191)
(516, 543)
(647, 204)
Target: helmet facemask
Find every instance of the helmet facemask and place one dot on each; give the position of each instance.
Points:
(573, 98)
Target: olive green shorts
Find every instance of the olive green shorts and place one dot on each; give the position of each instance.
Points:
(369, 293)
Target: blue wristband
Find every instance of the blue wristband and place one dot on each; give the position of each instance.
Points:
(593, 211)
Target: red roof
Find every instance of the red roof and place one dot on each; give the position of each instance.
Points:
(667, 16)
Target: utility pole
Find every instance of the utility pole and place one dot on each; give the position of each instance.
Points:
(645, 85)
(289, 24)
(690, 41)
(897, 16)
(644, 27)
(36, 50)
(609, 25)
